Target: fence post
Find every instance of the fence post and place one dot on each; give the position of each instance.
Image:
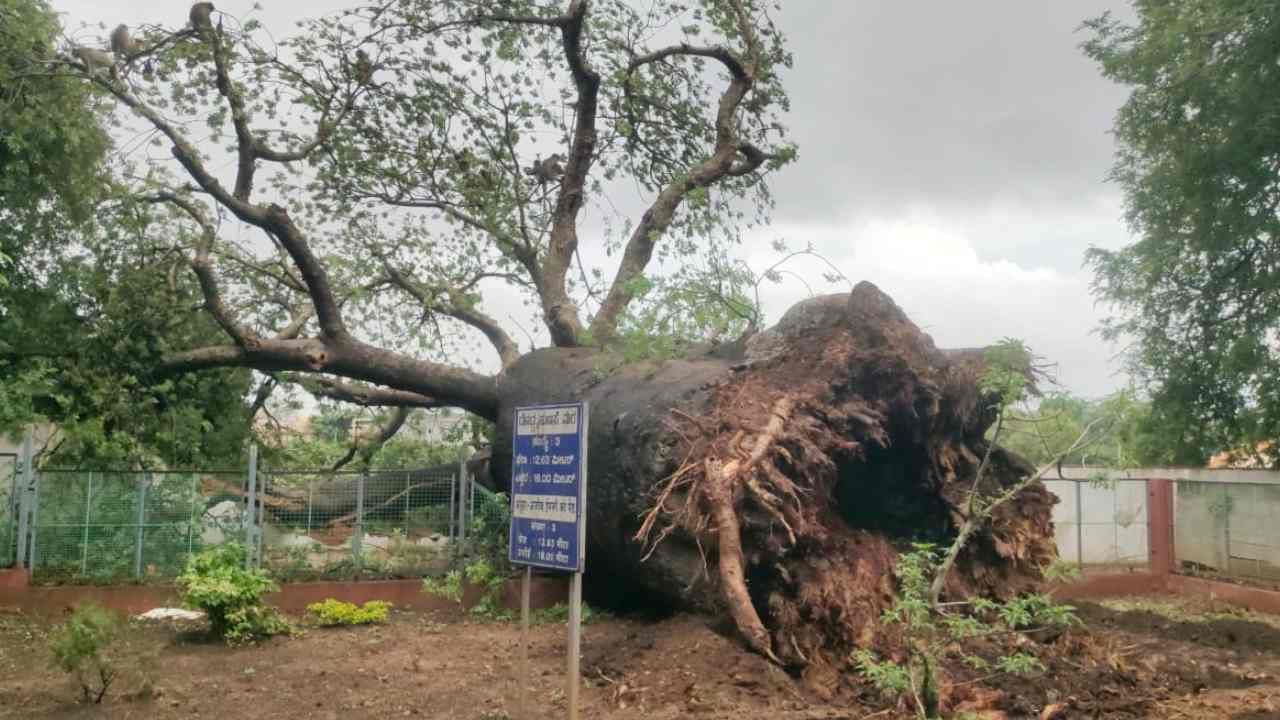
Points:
(311, 489)
(357, 537)
(35, 515)
(250, 515)
(1226, 529)
(453, 489)
(192, 518)
(142, 519)
(1160, 555)
(23, 485)
(1079, 526)
(462, 499)
(260, 522)
(407, 487)
(84, 540)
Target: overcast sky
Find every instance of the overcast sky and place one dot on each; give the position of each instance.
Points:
(954, 154)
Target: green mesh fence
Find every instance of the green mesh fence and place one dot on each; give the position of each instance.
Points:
(95, 527)
(111, 527)
(490, 512)
(382, 524)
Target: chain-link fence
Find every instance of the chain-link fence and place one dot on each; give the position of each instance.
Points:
(1101, 523)
(1230, 530)
(96, 527)
(380, 524)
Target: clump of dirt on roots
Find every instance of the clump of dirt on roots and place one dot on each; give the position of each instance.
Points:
(812, 471)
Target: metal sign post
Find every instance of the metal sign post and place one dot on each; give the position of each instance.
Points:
(522, 706)
(548, 513)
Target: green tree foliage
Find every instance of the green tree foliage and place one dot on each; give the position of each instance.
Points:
(78, 348)
(1129, 436)
(91, 296)
(1199, 149)
(330, 440)
(51, 140)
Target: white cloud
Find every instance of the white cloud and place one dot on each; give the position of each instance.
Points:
(933, 270)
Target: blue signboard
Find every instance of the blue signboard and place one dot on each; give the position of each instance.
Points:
(549, 486)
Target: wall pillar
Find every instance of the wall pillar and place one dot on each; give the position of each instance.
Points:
(1160, 553)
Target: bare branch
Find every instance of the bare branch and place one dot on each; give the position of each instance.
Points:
(559, 312)
(450, 386)
(369, 446)
(723, 162)
(726, 56)
(203, 268)
(300, 317)
(239, 113)
(358, 393)
(448, 301)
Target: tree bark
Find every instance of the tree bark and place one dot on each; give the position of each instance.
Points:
(776, 479)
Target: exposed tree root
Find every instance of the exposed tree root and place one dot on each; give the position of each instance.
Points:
(796, 453)
(776, 480)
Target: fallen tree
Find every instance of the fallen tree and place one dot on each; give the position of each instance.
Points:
(776, 479)
(772, 479)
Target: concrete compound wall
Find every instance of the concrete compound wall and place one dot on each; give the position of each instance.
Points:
(1101, 524)
(1224, 522)
(1229, 528)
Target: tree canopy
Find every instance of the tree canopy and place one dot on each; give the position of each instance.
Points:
(1198, 292)
(1124, 432)
(357, 204)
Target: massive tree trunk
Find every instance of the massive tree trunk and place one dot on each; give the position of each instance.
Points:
(775, 480)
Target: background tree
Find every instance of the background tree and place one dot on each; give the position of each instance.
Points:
(1128, 436)
(52, 141)
(89, 301)
(1198, 160)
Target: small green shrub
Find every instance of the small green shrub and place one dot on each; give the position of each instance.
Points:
(480, 573)
(559, 613)
(931, 634)
(81, 648)
(217, 582)
(448, 586)
(335, 612)
(1061, 571)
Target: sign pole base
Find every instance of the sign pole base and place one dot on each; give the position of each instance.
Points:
(522, 697)
(575, 642)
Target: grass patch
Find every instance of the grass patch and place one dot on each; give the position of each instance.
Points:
(1188, 611)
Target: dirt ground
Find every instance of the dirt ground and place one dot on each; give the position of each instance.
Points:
(1138, 658)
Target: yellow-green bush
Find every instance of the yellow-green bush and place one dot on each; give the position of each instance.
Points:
(336, 612)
